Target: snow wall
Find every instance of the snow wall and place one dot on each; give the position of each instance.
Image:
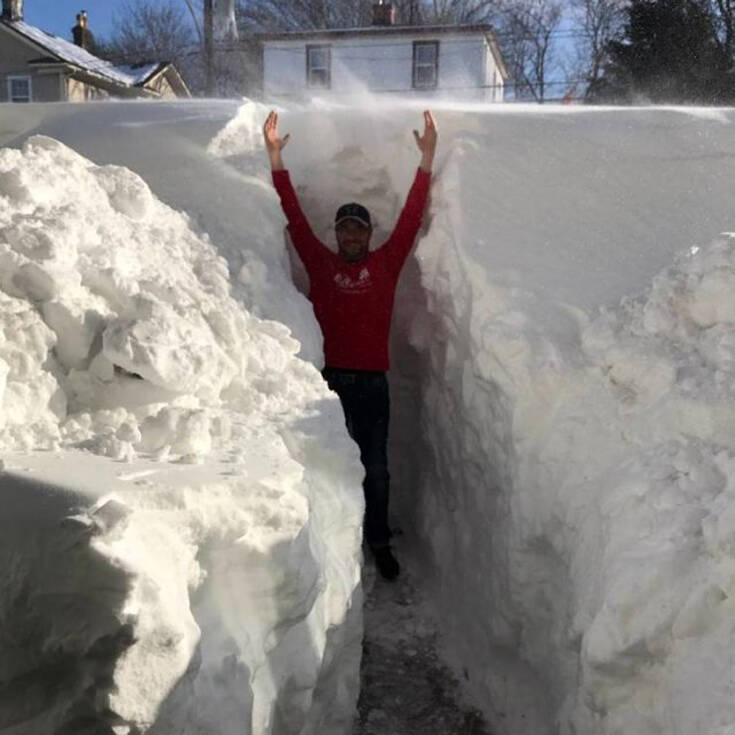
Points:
(182, 510)
(563, 364)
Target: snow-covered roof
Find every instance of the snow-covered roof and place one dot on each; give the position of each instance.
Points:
(143, 72)
(69, 52)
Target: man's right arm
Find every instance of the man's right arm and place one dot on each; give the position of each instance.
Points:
(303, 238)
(306, 243)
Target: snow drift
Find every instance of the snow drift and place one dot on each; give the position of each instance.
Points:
(564, 343)
(184, 555)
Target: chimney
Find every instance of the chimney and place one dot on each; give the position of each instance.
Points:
(12, 10)
(82, 35)
(384, 14)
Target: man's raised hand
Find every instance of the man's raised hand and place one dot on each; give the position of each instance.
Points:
(427, 141)
(273, 143)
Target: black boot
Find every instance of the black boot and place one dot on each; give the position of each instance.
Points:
(386, 563)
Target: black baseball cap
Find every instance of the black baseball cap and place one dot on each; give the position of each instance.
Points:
(355, 211)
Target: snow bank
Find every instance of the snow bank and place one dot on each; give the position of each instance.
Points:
(180, 542)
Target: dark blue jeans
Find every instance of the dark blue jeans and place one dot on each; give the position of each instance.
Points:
(365, 401)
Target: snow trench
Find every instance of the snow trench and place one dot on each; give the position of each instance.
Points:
(563, 478)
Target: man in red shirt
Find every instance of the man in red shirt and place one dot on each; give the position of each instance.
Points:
(352, 292)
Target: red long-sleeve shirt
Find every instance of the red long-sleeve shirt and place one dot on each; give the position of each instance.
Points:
(353, 302)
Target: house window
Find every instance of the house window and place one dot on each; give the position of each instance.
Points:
(318, 66)
(425, 64)
(19, 89)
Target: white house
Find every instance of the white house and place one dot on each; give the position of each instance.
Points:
(458, 61)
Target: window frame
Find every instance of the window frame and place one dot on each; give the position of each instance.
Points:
(20, 78)
(415, 84)
(327, 69)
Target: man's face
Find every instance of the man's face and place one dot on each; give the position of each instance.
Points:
(353, 239)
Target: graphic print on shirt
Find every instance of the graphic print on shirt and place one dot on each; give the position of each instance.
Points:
(347, 284)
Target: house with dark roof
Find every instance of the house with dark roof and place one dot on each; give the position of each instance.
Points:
(36, 66)
(457, 61)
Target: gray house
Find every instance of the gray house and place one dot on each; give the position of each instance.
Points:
(36, 66)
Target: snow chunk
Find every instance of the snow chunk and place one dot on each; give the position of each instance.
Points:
(177, 351)
(133, 307)
(128, 193)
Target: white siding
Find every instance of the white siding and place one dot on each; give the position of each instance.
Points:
(493, 77)
(381, 64)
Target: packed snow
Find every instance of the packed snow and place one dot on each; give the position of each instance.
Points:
(563, 415)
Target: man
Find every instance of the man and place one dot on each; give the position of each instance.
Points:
(352, 293)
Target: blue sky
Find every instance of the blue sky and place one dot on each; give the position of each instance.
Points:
(58, 16)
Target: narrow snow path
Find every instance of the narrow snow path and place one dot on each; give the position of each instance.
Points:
(405, 688)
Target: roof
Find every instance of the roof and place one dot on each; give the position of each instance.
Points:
(67, 52)
(143, 72)
(374, 31)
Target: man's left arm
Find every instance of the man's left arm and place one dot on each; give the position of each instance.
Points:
(409, 222)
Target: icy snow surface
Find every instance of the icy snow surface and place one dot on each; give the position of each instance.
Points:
(405, 686)
(563, 474)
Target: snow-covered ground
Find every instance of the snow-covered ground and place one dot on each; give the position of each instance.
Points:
(563, 415)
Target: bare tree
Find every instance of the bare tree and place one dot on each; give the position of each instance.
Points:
(527, 40)
(225, 21)
(724, 15)
(459, 11)
(599, 21)
(146, 31)
(311, 14)
(223, 17)
(421, 12)
(196, 18)
(275, 15)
